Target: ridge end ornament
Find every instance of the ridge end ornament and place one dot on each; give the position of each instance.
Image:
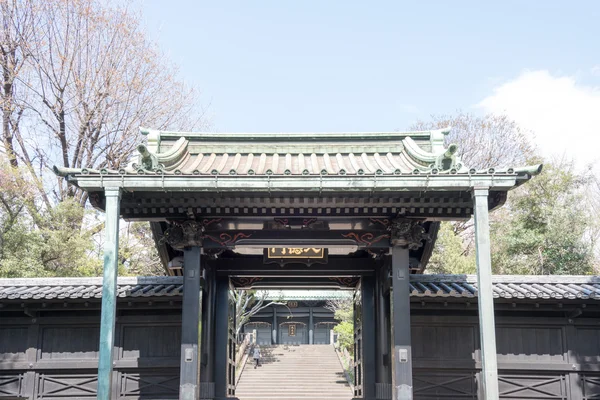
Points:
(408, 233)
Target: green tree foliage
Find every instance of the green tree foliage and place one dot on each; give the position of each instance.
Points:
(40, 241)
(78, 80)
(546, 226)
(344, 312)
(345, 332)
(450, 254)
(137, 251)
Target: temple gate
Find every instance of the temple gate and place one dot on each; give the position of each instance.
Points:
(373, 200)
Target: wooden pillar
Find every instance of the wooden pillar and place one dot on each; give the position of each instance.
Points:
(221, 336)
(383, 384)
(368, 336)
(274, 327)
(487, 329)
(387, 309)
(403, 386)
(311, 326)
(207, 382)
(109, 293)
(189, 377)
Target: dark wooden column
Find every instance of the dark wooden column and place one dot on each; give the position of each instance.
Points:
(383, 386)
(207, 381)
(402, 365)
(368, 336)
(311, 326)
(221, 336)
(387, 309)
(189, 377)
(274, 327)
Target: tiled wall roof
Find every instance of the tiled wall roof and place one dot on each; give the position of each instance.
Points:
(461, 286)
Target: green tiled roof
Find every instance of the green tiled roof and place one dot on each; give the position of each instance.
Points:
(290, 154)
(299, 162)
(309, 294)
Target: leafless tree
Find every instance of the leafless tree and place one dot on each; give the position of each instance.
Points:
(249, 303)
(343, 308)
(19, 19)
(92, 79)
(483, 141)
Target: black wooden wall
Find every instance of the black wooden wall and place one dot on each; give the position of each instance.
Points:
(55, 357)
(541, 355)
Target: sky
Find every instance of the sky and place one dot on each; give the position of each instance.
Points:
(333, 65)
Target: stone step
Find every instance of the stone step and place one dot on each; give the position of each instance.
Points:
(294, 373)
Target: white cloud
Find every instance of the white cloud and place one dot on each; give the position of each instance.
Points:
(564, 115)
(595, 71)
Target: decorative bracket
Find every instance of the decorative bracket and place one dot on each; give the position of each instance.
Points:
(297, 223)
(193, 233)
(244, 281)
(346, 281)
(184, 234)
(408, 233)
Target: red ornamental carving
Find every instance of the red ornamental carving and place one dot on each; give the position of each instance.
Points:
(209, 221)
(282, 221)
(225, 239)
(381, 221)
(245, 280)
(349, 281)
(308, 221)
(366, 238)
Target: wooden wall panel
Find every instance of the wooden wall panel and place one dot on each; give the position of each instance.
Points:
(518, 343)
(532, 386)
(11, 384)
(432, 342)
(163, 384)
(532, 355)
(590, 386)
(586, 345)
(444, 384)
(13, 343)
(69, 342)
(74, 385)
(143, 341)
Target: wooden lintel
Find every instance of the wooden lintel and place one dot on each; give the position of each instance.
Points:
(255, 266)
(296, 238)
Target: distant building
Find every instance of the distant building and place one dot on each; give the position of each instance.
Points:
(305, 319)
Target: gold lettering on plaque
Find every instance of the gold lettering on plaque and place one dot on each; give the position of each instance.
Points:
(294, 252)
(291, 330)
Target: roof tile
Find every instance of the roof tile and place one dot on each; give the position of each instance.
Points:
(430, 286)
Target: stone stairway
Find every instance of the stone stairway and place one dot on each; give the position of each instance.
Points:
(294, 372)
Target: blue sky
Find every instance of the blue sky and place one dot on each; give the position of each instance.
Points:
(380, 65)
